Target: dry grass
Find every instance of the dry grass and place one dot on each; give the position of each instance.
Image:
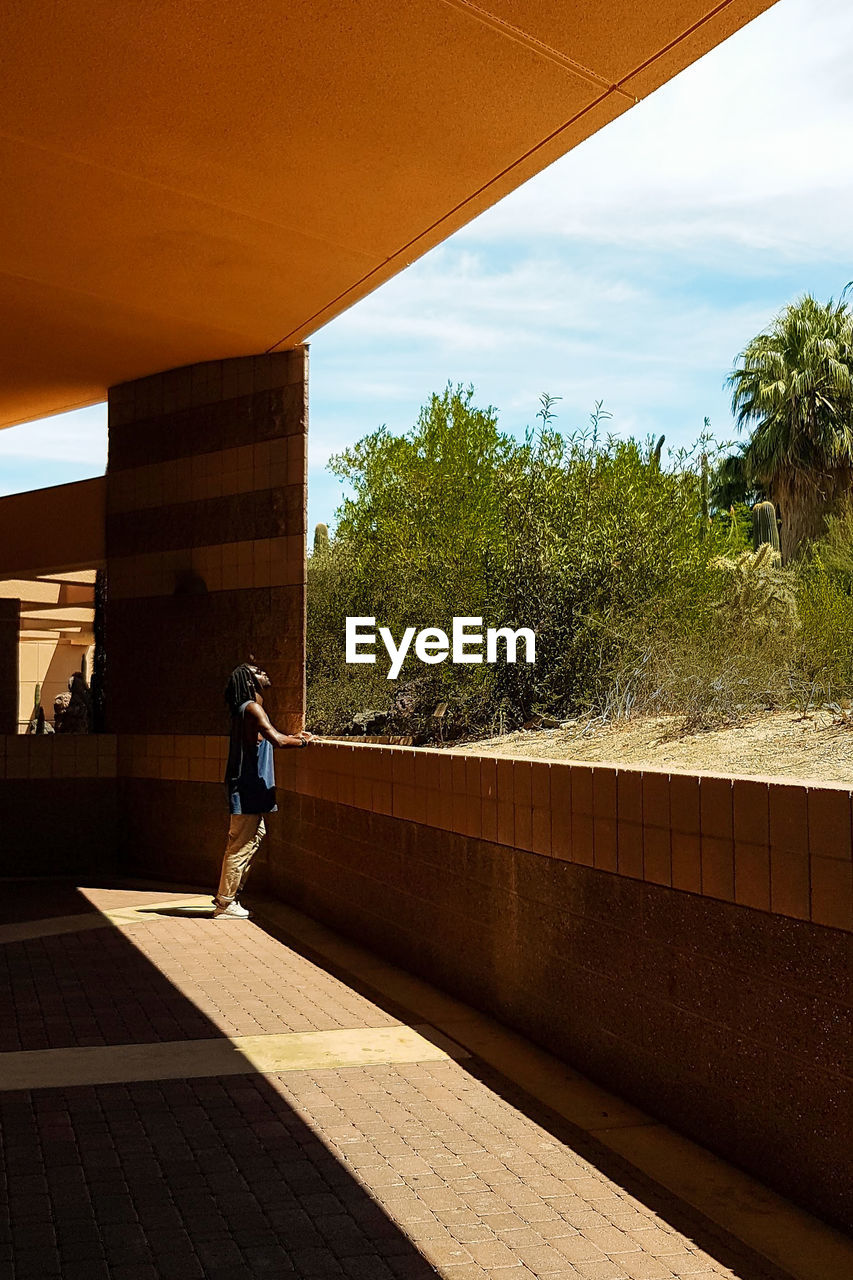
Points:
(818, 746)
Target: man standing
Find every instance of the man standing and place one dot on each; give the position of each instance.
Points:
(250, 782)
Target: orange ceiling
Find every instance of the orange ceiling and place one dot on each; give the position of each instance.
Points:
(185, 181)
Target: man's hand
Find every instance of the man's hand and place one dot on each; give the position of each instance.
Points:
(267, 730)
(300, 739)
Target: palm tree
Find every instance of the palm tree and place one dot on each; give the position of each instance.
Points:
(793, 385)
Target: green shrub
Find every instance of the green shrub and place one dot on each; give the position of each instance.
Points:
(824, 662)
(642, 595)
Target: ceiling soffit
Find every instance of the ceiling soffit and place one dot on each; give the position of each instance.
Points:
(190, 182)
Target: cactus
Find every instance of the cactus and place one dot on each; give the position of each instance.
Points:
(321, 538)
(32, 726)
(765, 529)
(656, 452)
(733, 529)
(757, 590)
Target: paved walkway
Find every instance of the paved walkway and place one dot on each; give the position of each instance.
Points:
(187, 1098)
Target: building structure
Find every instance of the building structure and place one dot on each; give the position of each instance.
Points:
(189, 199)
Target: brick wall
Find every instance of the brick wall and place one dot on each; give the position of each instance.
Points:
(769, 844)
(10, 611)
(205, 540)
(57, 805)
(686, 941)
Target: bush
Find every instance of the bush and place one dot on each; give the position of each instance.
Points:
(643, 598)
(823, 668)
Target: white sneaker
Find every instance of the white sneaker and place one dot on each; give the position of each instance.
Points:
(233, 912)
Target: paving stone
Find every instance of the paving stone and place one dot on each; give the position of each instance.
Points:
(388, 1172)
(176, 1266)
(35, 1262)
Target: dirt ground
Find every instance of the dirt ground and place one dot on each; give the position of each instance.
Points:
(817, 747)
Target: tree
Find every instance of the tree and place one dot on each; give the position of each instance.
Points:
(793, 386)
(426, 507)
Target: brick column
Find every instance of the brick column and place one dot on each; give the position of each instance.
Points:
(10, 615)
(205, 541)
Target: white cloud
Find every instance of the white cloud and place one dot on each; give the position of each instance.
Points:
(743, 148)
(79, 437)
(635, 268)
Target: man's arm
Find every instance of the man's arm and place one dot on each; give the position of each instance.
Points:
(265, 727)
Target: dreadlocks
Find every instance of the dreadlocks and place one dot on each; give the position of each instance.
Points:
(241, 687)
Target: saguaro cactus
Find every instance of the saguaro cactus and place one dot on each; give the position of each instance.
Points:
(32, 726)
(321, 538)
(656, 452)
(764, 526)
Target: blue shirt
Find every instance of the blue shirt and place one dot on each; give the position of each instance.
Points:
(250, 772)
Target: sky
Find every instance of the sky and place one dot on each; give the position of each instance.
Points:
(633, 270)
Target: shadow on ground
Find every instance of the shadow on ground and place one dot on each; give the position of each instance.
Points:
(707, 1235)
(215, 1178)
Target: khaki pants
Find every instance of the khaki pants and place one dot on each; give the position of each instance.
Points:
(245, 834)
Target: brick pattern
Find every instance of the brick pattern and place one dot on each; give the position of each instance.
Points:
(766, 844)
(205, 539)
(769, 845)
(206, 408)
(703, 835)
(255, 515)
(733, 1024)
(58, 756)
(229, 566)
(241, 469)
(484, 1190)
(10, 612)
(203, 637)
(390, 1173)
(181, 979)
(57, 822)
(179, 757)
(182, 833)
(372, 1173)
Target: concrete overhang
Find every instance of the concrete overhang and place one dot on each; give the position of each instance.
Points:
(187, 182)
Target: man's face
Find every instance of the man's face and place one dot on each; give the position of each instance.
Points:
(262, 680)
